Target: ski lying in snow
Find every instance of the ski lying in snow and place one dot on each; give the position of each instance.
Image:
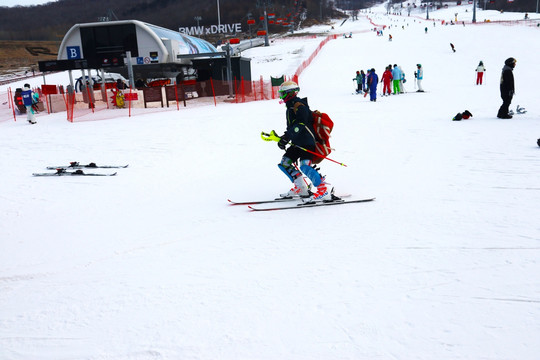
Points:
(76, 165)
(311, 205)
(519, 110)
(277, 200)
(64, 172)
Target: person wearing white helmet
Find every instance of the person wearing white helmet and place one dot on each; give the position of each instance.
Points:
(300, 134)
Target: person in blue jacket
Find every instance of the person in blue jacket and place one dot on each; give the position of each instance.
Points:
(419, 75)
(396, 75)
(373, 81)
(28, 100)
(300, 132)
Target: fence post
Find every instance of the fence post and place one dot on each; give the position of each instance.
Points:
(235, 92)
(90, 103)
(10, 94)
(254, 89)
(262, 88)
(242, 84)
(213, 92)
(176, 96)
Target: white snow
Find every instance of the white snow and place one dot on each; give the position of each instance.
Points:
(154, 264)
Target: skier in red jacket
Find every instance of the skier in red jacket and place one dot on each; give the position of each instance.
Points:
(387, 79)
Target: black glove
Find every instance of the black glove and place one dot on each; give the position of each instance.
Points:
(282, 143)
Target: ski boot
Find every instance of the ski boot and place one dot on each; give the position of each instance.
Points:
(300, 188)
(323, 193)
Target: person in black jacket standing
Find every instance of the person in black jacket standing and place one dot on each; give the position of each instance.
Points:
(507, 88)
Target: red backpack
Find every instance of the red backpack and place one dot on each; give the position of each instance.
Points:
(323, 126)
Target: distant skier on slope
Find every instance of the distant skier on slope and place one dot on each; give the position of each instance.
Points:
(480, 73)
(358, 79)
(387, 80)
(396, 75)
(507, 88)
(419, 75)
(373, 81)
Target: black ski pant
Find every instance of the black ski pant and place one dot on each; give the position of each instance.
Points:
(504, 109)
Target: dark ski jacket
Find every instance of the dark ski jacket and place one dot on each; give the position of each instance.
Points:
(507, 81)
(299, 123)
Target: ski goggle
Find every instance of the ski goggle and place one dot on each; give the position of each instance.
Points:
(285, 93)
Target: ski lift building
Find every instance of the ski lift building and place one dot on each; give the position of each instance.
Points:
(153, 49)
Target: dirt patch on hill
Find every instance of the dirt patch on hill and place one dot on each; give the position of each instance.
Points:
(17, 55)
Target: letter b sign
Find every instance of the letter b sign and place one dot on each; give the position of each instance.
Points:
(73, 52)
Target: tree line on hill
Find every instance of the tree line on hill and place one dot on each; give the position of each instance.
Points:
(52, 20)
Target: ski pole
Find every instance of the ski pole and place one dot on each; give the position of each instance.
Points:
(320, 155)
(273, 137)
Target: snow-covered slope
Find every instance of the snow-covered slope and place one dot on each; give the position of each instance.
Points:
(154, 264)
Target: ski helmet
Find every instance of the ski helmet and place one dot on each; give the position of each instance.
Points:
(288, 90)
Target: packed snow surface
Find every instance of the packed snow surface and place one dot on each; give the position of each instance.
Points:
(154, 264)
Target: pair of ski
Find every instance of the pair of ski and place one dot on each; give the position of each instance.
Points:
(519, 110)
(65, 170)
(288, 200)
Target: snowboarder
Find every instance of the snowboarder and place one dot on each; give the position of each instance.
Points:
(300, 133)
(373, 81)
(453, 48)
(480, 73)
(28, 97)
(358, 79)
(507, 88)
(419, 75)
(386, 79)
(396, 75)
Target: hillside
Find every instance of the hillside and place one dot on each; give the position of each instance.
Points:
(24, 55)
(52, 20)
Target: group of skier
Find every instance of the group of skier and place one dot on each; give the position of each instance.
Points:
(393, 80)
(367, 83)
(393, 77)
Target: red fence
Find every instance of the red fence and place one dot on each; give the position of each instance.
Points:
(307, 62)
(111, 103)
